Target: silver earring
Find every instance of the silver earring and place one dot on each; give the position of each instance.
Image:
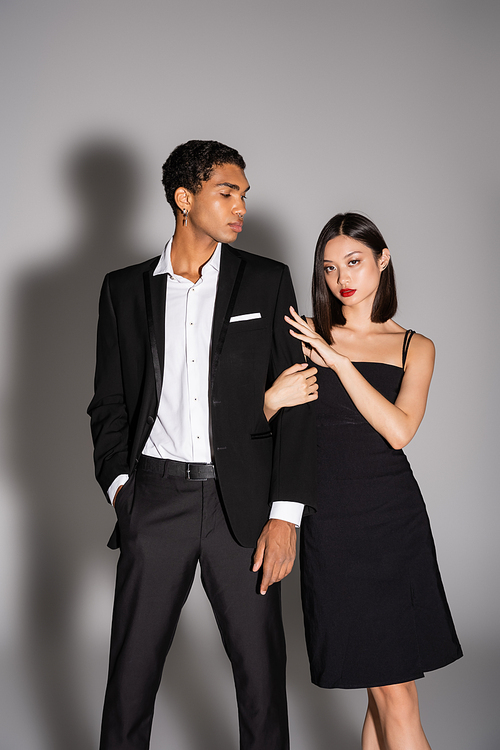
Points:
(185, 215)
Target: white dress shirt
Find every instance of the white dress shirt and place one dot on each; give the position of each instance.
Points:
(181, 430)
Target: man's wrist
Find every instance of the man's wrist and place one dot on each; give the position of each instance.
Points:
(287, 511)
(118, 482)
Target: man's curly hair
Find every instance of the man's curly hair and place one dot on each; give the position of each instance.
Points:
(192, 163)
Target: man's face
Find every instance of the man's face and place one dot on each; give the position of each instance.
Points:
(217, 210)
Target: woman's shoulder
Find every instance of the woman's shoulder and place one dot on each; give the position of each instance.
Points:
(418, 340)
(421, 349)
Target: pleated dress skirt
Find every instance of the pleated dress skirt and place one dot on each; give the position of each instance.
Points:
(375, 610)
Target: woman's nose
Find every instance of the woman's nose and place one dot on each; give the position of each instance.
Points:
(344, 276)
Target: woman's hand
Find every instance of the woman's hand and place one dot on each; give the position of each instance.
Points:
(313, 340)
(296, 385)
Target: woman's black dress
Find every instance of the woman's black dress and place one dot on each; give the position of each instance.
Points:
(375, 610)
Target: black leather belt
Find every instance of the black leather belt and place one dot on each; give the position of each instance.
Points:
(168, 468)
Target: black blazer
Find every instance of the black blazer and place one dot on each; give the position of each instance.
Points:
(257, 462)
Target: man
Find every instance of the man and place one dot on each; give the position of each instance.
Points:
(187, 344)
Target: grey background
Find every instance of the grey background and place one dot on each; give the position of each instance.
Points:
(389, 107)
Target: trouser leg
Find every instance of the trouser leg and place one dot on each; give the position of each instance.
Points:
(251, 629)
(160, 545)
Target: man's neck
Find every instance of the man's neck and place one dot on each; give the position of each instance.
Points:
(189, 254)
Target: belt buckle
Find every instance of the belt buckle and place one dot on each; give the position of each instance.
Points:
(193, 468)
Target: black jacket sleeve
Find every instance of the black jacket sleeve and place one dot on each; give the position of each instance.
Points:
(108, 413)
(294, 460)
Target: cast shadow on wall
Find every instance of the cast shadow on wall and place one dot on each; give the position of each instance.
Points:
(69, 521)
(54, 355)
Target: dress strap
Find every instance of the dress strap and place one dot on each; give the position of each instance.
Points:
(406, 344)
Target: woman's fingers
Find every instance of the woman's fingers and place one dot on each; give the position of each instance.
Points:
(297, 321)
(307, 338)
(294, 368)
(296, 385)
(304, 331)
(297, 317)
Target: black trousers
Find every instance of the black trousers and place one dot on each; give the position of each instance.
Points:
(167, 525)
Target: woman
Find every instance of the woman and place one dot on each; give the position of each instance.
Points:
(375, 610)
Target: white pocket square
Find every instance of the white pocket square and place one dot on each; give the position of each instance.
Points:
(247, 316)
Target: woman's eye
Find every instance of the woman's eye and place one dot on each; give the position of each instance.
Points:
(354, 262)
(329, 269)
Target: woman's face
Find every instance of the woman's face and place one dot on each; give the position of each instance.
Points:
(352, 272)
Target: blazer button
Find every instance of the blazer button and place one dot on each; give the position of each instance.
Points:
(150, 420)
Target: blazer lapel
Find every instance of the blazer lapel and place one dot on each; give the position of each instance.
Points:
(155, 290)
(230, 274)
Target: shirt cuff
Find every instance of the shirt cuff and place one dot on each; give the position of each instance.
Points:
(117, 483)
(286, 511)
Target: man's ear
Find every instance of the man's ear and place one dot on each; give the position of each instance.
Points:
(183, 199)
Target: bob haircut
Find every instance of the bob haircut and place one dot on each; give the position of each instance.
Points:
(192, 163)
(327, 309)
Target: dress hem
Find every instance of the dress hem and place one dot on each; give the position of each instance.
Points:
(396, 681)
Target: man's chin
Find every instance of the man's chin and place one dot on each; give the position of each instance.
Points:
(229, 237)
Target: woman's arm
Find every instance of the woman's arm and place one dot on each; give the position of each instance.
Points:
(398, 422)
(296, 385)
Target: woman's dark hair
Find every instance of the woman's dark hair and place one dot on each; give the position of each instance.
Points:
(192, 163)
(327, 309)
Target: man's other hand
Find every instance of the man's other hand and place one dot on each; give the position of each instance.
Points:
(275, 552)
(116, 494)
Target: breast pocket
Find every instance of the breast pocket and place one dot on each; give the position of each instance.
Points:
(238, 325)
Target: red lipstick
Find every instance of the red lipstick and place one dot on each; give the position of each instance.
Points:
(347, 292)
